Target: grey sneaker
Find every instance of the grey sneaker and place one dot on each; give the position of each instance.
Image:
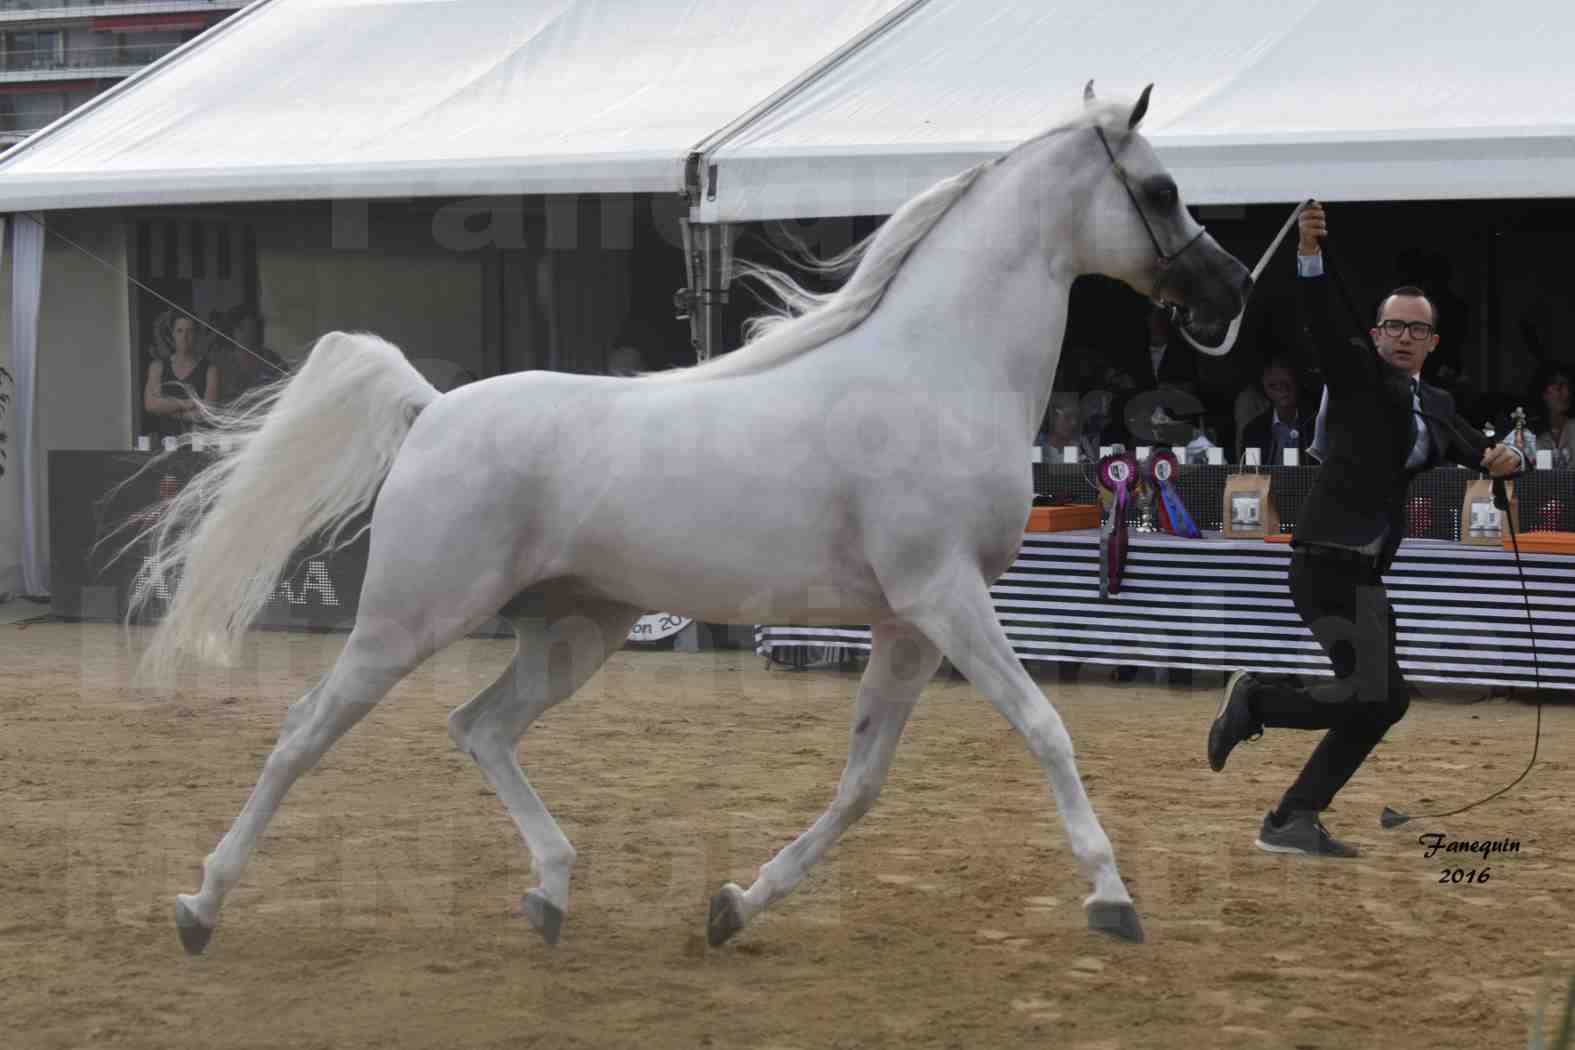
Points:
(1234, 722)
(1302, 833)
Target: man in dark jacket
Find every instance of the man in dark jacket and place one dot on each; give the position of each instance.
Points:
(1165, 361)
(1383, 427)
(1288, 423)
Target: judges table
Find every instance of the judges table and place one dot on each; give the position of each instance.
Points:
(1220, 604)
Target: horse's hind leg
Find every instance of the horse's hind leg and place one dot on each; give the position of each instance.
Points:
(373, 660)
(559, 647)
(901, 662)
(968, 632)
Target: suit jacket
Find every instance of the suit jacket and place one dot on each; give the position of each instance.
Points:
(1359, 493)
(1126, 347)
(1259, 433)
(1179, 366)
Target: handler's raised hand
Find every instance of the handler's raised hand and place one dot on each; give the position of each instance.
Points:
(1500, 460)
(1311, 228)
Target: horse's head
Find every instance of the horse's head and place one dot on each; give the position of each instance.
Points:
(1138, 230)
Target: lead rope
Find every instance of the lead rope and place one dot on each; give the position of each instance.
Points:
(1257, 271)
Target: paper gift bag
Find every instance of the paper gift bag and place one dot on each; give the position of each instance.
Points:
(1249, 511)
(1482, 523)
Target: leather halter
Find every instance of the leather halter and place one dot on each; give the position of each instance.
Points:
(1165, 258)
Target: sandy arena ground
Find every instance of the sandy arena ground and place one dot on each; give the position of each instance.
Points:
(382, 907)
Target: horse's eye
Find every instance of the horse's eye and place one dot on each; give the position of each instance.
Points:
(1165, 197)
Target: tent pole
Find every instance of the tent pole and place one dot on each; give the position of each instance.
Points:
(708, 273)
(708, 263)
(686, 301)
(718, 279)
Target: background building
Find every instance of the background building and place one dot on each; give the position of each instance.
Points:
(57, 54)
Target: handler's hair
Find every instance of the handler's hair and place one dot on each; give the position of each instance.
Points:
(1408, 291)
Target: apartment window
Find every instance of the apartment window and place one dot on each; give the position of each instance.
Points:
(31, 111)
(34, 49)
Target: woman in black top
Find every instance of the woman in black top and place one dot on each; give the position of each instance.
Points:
(172, 382)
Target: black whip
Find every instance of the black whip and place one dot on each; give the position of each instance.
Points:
(1393, 818)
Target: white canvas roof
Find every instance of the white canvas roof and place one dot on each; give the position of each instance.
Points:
(402, 98)
(1255, 101)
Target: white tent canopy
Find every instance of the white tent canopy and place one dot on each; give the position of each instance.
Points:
(314, 99)
(795, 110)
(1255, 102)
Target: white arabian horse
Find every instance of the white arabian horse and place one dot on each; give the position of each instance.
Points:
(863, 459)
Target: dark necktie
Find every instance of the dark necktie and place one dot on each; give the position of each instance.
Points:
(1416, 419)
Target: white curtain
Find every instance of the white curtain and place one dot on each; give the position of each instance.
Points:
(27, 282)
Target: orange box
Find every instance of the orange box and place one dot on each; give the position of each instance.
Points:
(1543, 542)
(1277, 537)
(1064, 518)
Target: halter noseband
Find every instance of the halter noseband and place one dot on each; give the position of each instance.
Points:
(1165, 259)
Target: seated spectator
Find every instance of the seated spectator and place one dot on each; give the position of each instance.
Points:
(1119, 412)
(1288, 423)
(1063, 429)
(1550, 398)
(244, 361)
(178, 377)
(1173, 418)
(1161, 359)
(1106, 404)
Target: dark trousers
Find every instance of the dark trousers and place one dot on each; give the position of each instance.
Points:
(1344, 604)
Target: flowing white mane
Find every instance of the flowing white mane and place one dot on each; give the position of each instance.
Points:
(806, 320)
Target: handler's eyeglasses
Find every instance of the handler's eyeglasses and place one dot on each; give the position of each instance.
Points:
(1419, 329)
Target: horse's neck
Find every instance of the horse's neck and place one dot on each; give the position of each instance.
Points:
(978, 310)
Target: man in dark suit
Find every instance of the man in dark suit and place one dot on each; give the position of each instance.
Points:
(1288, 423)
(1167, 360)
(1147, 371)
(1383, 428)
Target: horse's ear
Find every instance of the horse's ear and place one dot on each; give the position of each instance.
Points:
(1088, 93)
(1139, 109)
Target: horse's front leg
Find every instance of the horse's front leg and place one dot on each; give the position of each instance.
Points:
(961, 620)
(901, 662)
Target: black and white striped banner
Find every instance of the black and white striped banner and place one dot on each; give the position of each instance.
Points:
(1221, 604)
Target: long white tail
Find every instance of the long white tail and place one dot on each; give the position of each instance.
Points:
(299, 459)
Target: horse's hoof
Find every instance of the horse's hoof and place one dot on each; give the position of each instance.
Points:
(194, 936)
(1118, 920)
(546, 916)
(727, 916)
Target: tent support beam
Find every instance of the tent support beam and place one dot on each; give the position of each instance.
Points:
(708, 272)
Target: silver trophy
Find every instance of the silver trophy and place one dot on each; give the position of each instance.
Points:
(1522, 438)
(1145, 500)
(1143, 493)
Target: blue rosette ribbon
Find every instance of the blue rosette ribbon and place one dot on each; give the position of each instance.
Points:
(1160, 472)
(1117, 475)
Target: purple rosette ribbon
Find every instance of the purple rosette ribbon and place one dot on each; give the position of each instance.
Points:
(1160, 472)
(1117, 475)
